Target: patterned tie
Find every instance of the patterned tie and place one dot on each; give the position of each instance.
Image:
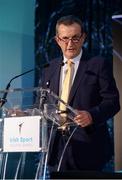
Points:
(66, 87)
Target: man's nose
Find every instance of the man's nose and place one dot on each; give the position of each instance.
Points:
(70, 41)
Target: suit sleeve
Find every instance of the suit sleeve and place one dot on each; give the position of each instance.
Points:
(109, 94)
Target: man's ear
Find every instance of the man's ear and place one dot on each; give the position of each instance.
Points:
(56, 39)
(84, 37)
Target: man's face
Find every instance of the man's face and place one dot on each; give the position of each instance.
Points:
(70, 39)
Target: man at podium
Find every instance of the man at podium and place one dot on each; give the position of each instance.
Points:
(92, 92)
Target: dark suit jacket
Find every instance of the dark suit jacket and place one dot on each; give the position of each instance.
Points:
(94, 90)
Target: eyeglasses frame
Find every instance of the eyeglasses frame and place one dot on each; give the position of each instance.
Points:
(68, 39)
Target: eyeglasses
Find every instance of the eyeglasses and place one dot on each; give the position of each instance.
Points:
(74, 39)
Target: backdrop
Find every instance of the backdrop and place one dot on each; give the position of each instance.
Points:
(97, 19)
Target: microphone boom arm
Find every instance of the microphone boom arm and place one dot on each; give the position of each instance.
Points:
(3, 100)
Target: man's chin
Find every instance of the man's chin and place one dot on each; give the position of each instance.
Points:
(71, 55)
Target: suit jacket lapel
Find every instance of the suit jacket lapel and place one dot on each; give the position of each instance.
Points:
(55, 77)
(79, 76)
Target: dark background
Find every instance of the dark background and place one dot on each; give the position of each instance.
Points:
(97, 19)
(95, 14)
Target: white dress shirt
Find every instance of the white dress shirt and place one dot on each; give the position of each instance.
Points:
(76, 61)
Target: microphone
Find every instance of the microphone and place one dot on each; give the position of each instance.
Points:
(43, 98)
(3, 100)
(43, 95)
(63, 63)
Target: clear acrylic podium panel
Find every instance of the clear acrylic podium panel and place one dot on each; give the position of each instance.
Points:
(19, 107)
(19, 113)
(20, 110)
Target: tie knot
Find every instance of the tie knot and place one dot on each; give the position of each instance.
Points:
(70, 61)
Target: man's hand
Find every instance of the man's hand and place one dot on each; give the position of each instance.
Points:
(83, 118)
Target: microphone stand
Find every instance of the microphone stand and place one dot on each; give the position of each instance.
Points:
(3, 100)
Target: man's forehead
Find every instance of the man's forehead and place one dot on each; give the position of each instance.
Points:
(69, 29)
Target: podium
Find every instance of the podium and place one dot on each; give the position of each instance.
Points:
(27, 131)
